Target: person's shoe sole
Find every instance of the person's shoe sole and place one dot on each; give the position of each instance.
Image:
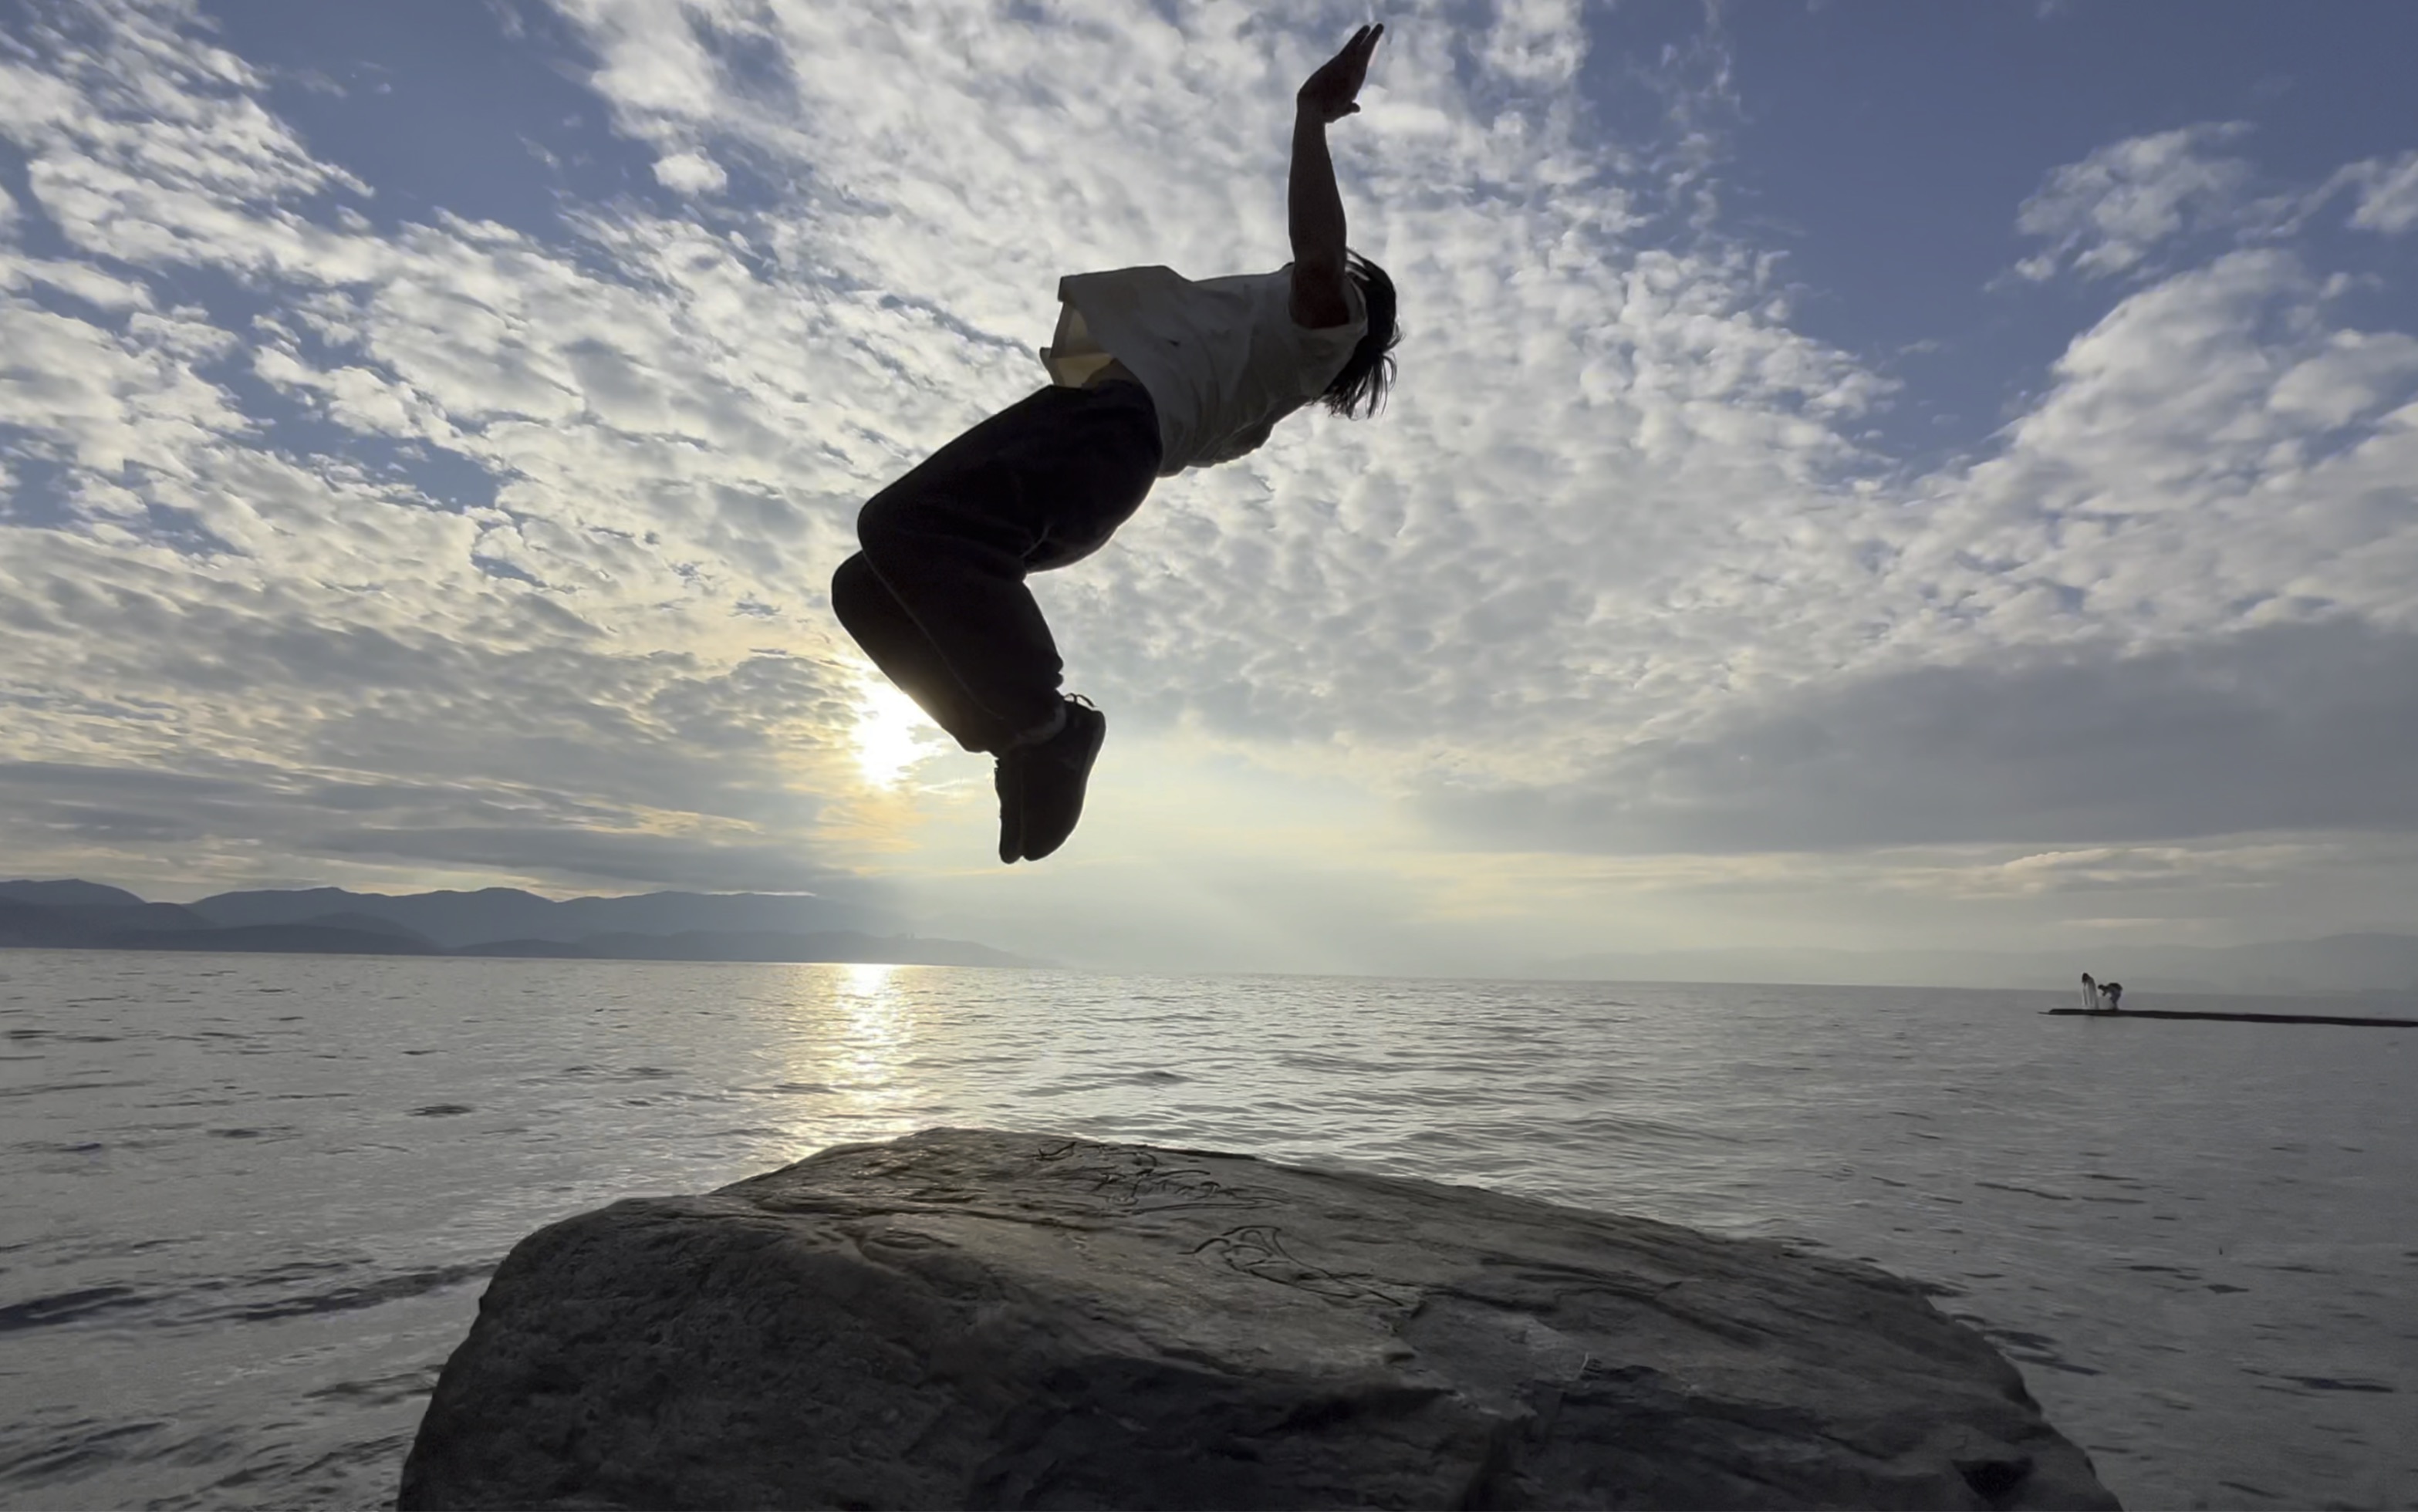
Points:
(1055, 774)
(1007, 779)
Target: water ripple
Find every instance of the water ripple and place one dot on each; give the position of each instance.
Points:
(249, 1207)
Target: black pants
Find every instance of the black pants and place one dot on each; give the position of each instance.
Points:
(937, 597)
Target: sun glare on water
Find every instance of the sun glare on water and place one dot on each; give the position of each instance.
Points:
(892, 734)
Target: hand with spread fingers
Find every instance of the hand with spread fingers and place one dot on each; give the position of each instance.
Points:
(1331, 93)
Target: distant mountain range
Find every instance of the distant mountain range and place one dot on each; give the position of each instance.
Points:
(755, 927)
(2363, 963)
(494, 922)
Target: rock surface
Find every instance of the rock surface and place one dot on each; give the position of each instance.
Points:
(973, 1318)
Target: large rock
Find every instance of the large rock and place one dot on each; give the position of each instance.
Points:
(974, 1319)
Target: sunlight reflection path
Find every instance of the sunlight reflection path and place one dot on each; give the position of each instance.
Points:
(866, 1063)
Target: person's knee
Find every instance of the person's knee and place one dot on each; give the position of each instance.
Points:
(887, 527)
(853, 591)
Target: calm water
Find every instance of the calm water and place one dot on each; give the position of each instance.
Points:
(251, 1200)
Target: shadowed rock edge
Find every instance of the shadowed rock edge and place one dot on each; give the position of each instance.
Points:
(970, 1317)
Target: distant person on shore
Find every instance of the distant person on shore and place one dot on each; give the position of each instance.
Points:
(1150, 373)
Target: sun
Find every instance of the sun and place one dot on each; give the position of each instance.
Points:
(892, 734)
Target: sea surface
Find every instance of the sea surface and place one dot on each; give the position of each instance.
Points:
(250, 1202)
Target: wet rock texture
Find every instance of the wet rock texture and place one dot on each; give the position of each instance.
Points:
(970, 1319)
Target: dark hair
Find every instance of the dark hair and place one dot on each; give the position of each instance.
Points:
(1365, 378)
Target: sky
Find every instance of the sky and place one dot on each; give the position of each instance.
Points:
(1862, 475)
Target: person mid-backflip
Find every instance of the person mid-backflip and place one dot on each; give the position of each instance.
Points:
(1150, 373)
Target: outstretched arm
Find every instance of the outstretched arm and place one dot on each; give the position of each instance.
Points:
(1314, 206)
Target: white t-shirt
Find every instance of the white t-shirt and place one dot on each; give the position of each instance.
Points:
(1222, 358)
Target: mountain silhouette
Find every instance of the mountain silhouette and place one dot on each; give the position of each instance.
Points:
(493, 921)
(68, 893)
(455, 920)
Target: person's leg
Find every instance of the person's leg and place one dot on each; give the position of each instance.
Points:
(937, 597)
(889, 635)
(1042, 484)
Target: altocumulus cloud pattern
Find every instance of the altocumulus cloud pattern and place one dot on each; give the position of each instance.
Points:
(424, 443)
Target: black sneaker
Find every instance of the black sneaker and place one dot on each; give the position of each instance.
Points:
(1053, 774)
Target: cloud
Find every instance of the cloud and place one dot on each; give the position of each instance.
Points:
(690, 172)
(439, 538)
(2173, 603)
(2387, 192)
(2215, 448)
(2104, 215)
(1587, 420)
(1539, 43)
(2286, 728)
(651, 502)
(2122, 869)
(431, 826)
